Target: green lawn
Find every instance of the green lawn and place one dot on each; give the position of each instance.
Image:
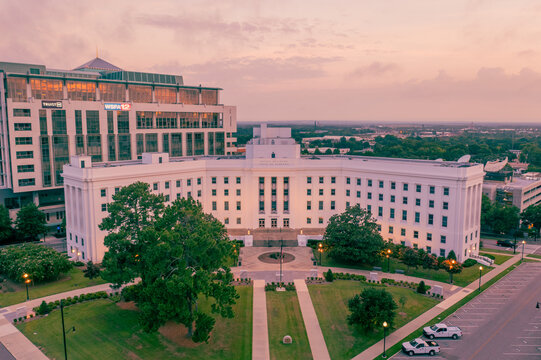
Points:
(498, 259)
(74, 279)
(285, 318)
(345, 341)
(105, 331)
(464, 278)
(499, 251)
(534, 256)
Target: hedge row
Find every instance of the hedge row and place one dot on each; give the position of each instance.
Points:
(272, 286)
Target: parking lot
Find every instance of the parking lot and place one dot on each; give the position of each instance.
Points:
(501, 323)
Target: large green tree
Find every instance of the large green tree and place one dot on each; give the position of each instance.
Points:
(532, 216)
(353, 237)
(498, 218)
(177, 251)
(31, 221)
(6, 231)
(371, 308)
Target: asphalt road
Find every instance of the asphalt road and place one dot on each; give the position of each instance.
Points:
(500, 324)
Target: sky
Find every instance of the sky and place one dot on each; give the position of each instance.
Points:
(360, 60)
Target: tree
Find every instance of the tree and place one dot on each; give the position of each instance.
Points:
(451, 255)
(179, 253)
(452, 267)
(371, 308)
(504, 218)
(429, 262)
(402, 301)
(410, 258)
(421, 288)
(329, 276)
(92, 270)
(531, 216)
(353, 237)
(486, 207)
(6, 231)
(31, 221)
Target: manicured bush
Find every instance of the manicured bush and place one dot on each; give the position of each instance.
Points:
(488, 256)
(43, 308)
(329, 276)
(78, 263)
(41, 262)
(421, 289)
(469, 262)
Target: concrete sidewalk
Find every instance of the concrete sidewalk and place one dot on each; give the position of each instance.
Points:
(17, 344)
(260, 330)
(396, 336)
(311, 323)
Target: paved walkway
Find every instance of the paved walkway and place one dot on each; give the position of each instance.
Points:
(396, 336)
(311, 323)
(260, 330)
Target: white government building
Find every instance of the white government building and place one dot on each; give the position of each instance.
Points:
(433, 205)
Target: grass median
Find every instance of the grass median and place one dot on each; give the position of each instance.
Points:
(498, 258)
(417, 333)
(345, 341)
(14, 293)
(107, 331)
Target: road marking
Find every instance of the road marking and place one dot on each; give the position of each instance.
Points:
(521, 354)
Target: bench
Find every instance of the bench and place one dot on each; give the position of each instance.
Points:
(376, 268)
(398, 271)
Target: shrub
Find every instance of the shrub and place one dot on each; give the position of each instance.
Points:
(78, 263)
(469, 262)
(421, 289)
(14, 320)
(329, 276)
(43, 308)
(488, 256)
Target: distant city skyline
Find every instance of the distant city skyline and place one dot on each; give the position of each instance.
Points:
(412, 61)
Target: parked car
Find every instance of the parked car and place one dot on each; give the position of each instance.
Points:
(442, 330)
(505, 242)
(419, 346)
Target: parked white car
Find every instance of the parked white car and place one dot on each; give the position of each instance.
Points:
(419, 346)
(442, 330)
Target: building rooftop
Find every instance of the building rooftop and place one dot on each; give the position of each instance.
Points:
(98, 64)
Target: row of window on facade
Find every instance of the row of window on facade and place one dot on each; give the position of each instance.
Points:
(381, 184)
(51, 89)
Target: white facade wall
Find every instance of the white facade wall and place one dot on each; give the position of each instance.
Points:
(200, 178)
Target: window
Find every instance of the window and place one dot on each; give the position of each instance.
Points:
(103, 192)
(213, 192)
(358, 181)
(213, 180)
(117, 189)
(392, 198)
(308, 192)
(226, 180)
(238, 179)
(309, 180)
(415, 246)
(370, 182)
(226, 221)
(167, 184)
(226, 205)
(178, 196)
(432, 189)
(418, 188)
(442, 252)
(347, 204)
(402, 232)
(238, 205)
(23, 141)
(333, 205)
(214, 206)
(380, 197)
(393, 185)
(308, 205)
(391, 214)
(189, 182)
(404, 215)
(321, 205)
(429, 249)
(198, 193)
(428, 236)
(369, 195)
(155, 186)
(333, 192)
(27, 182)
(103, 207)
(199, 181)
(333, 180)
(446, 191)
(391, 229)
(22, 126)
(308, 220)
(417, 202)
(430, 219)
(369, 208)
(25, 154)
(405, 186)
(320, 220)
(381, 184)
(25, 168)
(415, 234)
(321, 179)
(348, 180)
(417, 217)
(445, 206)
(380, 211)
(167, 197)
(347, 192)
(443, 239)
(238, 192)
(405, 200)
(274, 223)
(379, 227)
(286, 222)
(226, 192)
(261, 223)
(238, 221)
(430, 203)
(444, 221)
(358, 194)
(320, 192)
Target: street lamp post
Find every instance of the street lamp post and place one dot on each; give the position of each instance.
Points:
(480, 274)
(64, 332)
(523, 242)
(26, 282)
(320, 249)
(384, 335)
(451, 270)
(389, 260)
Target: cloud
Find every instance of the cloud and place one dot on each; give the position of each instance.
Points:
(374, 69)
